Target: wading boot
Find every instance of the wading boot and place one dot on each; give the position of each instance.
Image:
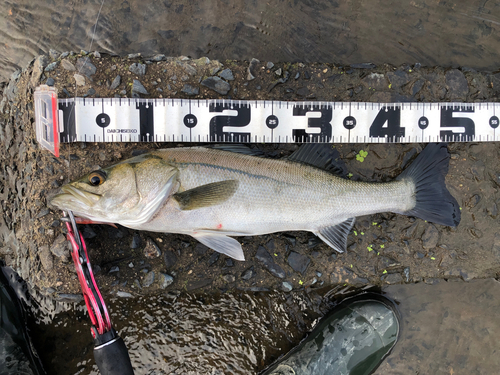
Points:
(353, 339)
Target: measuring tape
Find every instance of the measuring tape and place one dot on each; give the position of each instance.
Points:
(258, 121)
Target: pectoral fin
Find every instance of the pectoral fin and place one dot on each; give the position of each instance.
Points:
(336, 235)
(206, 195)
(221, 243)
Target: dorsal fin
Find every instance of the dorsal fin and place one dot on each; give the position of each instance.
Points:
(238, 148)
(320, 155)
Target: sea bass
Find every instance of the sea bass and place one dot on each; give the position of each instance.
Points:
(211, 193)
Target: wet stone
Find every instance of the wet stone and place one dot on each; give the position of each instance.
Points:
(298, 262)
(190, 90)
(392, 278)
(417, 86)
(50, 82)
(213, 258)
(165, 280)
(60, 246)
(138, 88)
(124, 294)
(151, 250)
(114, 269)
(376, 81)
(267, 261)
(286, 286)
(217, 84)
(68, 297)
(116, 82)
(88, 232)
(148, 280)
(398, 78)
(248, 273)
(227, 74)
(252, 69)
(229, 278)
(84, 66)
(457, 85)
(136, 241)
(430, 237)
(229, 262)
(363, 66)
(46, 257)
(79, 79)
(200, 249)
(51, 66)
(138, 69)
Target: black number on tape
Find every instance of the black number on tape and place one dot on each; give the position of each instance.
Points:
(322, 123)
(461, 128)
(69, 131)
(217, 123)
(349, 122)
(388, 124)
(423, 122)
(102, 120)
(190, 121)
(272, 122)
(146, 121)
(494, 122)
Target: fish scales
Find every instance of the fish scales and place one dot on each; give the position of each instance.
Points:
(211, 194)
(273, 195)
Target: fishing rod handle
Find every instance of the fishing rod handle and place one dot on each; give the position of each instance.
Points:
(112, 357)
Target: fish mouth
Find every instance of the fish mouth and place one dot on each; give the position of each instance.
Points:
(73, 198)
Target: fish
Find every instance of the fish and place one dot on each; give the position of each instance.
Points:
(216, 193)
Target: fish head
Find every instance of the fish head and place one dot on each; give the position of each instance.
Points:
(128, 193)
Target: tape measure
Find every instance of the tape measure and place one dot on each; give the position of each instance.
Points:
(258, 121)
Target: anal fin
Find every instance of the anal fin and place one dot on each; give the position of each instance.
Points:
(336, 235)
(221, 243)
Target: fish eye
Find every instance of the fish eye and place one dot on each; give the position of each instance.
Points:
(97, 178)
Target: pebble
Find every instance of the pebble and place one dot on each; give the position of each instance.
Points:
(124, 294)
(190, 90)
(116, 82)
(97, 55)
(269, 65)
(157, 58)
(430, 237)
(267, 261)
(79, 79)
(191, 70)
(46, 257)
(376, 81)
(139, 69)
(136, 241)
(217, 84)
(131, 265)
(85, 67)
(248, 273)
(64, 55)
(398, 78)
(169, 258)
(90, 92)
(229, 278)
(50, 82)
(251, 70)
(287, 287)
(392, 278)
(363, 66)
(114, 269)
(227, 74)
(133, 55)
(148, 279)
(458, 87)
(38, 66)
(165, 280)
(229, 262)
(298, 262)
(278, 72)
(138, 88)
(88, 232)
(60, 246)
(417, 86)
(54, 54)
(151, 250)
(51, 66)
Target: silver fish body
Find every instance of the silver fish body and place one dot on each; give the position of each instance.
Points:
(211, 194)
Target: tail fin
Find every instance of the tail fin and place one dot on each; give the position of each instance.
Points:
(434, 202)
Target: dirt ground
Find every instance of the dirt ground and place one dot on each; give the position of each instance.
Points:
(382, 249)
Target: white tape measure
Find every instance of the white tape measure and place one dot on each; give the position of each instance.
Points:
(259, 121)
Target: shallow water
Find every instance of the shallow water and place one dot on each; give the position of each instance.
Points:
(458, 33)
(446, 328)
